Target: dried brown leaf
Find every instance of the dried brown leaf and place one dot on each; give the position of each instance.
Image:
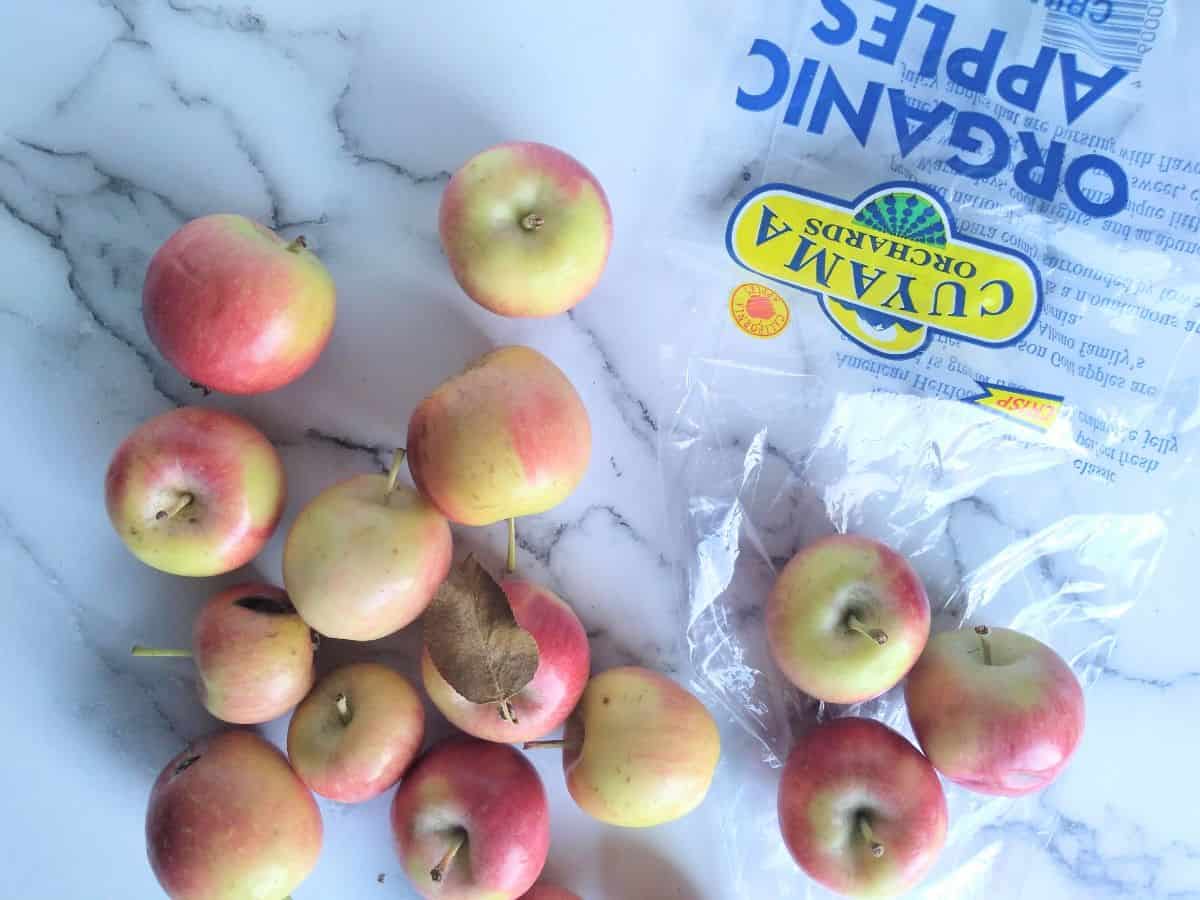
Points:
(473, 637)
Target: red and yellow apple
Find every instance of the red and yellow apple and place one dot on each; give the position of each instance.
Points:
(639, 750)
(471, 822)
(228, 818)
(235, 307)
(195, 491)
(861, 810)
(527, 229)
(543, 704)
(846, 619)
(365, 557)
(507, 437)
(356, 733)
(996, 711)
(253, 653)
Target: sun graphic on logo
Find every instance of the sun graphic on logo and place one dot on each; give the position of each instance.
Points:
(758, 310)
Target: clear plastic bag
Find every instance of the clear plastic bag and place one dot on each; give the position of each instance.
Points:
(1018, 442)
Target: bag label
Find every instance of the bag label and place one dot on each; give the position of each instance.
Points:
(891, 269)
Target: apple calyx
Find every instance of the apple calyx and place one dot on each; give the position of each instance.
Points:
(868, 835)
(532, 222)
(342, 703)
(438, 872)
(181, 503)
(854, 623)
(297, 245)
(394, 471)
(139, 650)
(983, 631)
(556, 744)
(267, 606)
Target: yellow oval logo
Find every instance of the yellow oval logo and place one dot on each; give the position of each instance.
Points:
(758, 310)
(891, 269)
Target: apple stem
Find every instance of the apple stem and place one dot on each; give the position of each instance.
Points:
(180, 504)
(438, 872)
(506, 712)
(510, 565)
(394, 471)
(864, 828)
(342, 702)
(139, 650)
(544, 745)
(532, 222)
(297, 245)
(878, 635)
(983, 631)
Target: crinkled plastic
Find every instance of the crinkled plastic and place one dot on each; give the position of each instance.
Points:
(950, 302)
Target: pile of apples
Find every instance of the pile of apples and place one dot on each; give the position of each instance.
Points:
(861, 809)
(199, 492)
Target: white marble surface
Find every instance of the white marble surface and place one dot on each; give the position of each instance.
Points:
(121, 119)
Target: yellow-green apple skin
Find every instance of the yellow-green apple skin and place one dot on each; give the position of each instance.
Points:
(225, 470)
(824, 590)
(485, 795)
(527, 229)
(235, 307)
(356, 733)
(1004, 722)
(254, 654)
(507, 437)
(639, 749)
(562, 673)
(361, 562)
(227, 819)
(847, 772)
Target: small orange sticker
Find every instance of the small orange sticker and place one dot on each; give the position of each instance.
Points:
(758, 310)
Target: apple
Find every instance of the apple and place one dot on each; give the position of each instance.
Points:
(861, 810)
(356, 733)
(195, 491)
(996, 711)
(235, 307)
(253, 652)
(470, 822)
(228, 818)
(562, 672)
(549, 892)
(638, 750)
(508, 437)
(527, 229)
(365, 557)
(846, 619)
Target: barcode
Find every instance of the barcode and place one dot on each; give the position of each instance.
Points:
(1122, 39)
